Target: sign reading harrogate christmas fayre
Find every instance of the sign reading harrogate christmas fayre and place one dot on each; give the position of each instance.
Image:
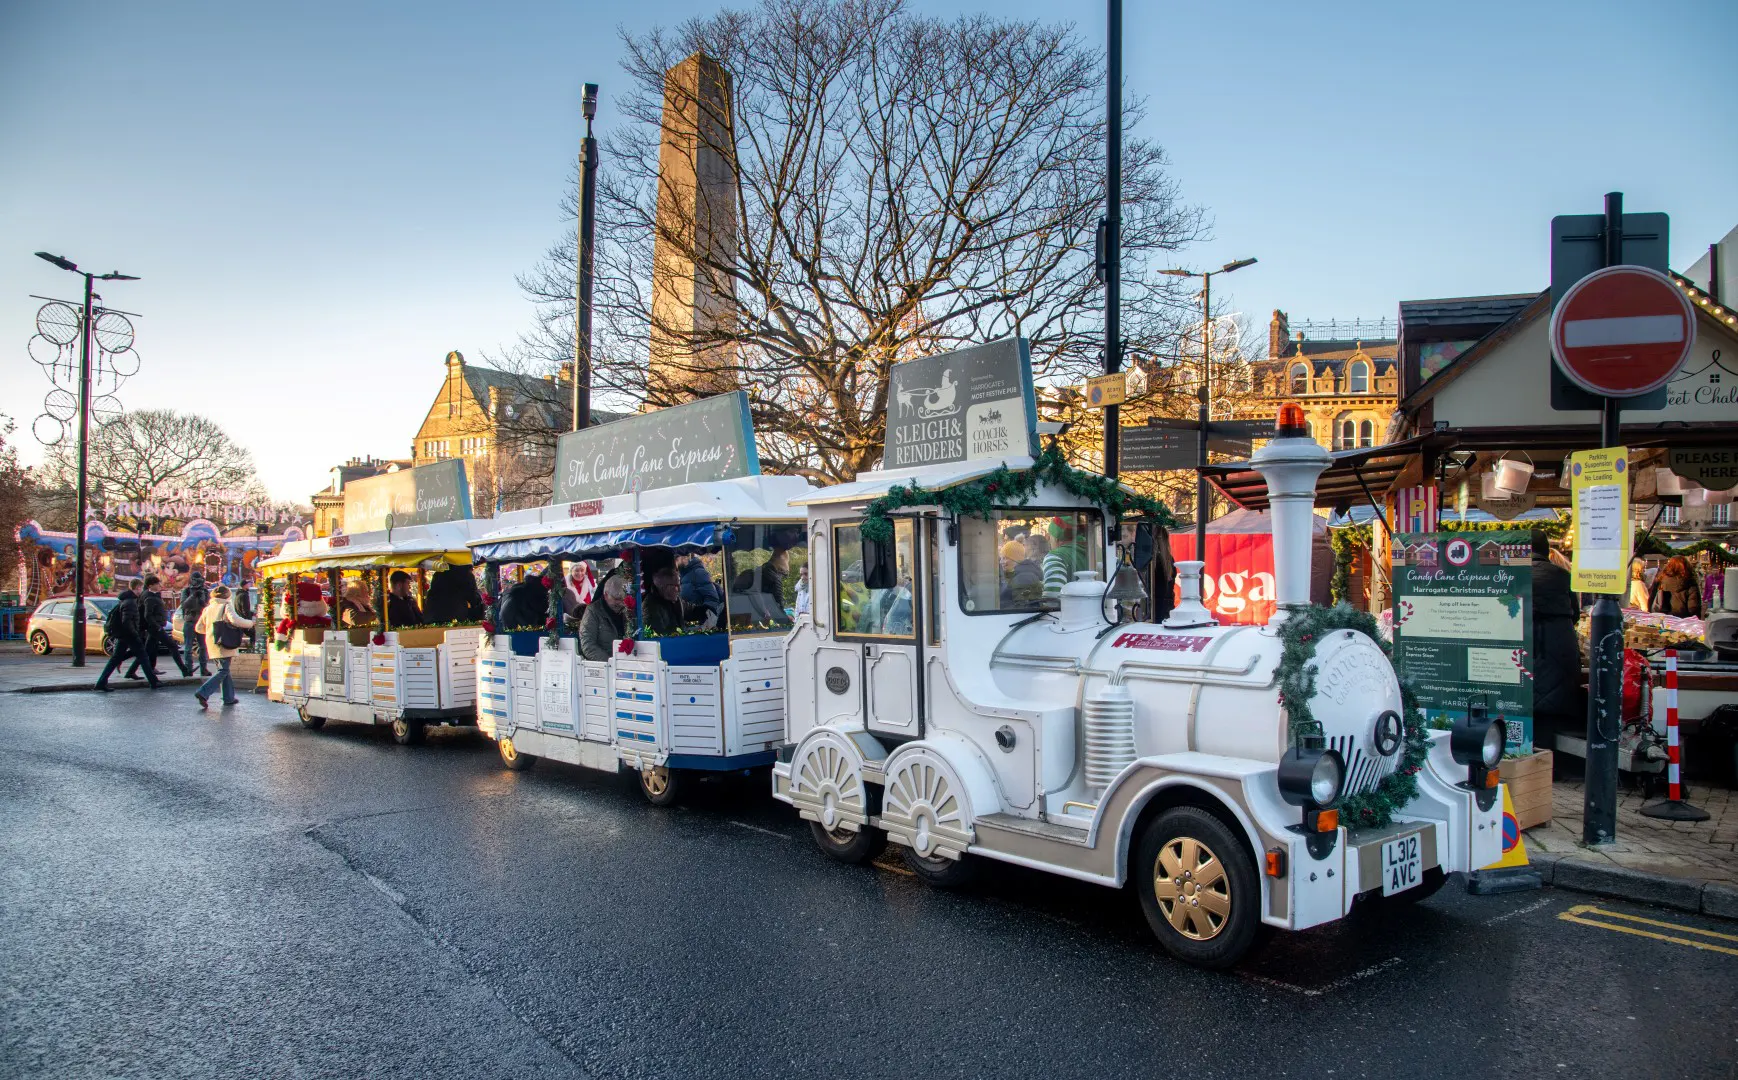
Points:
(421, 496)
(700, 441)
(1463, 629)
(961, 406)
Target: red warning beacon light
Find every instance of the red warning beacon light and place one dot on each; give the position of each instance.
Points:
(1290, 423)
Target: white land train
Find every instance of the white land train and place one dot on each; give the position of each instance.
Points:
(698, 702)
(415, 677)
(1152, 754)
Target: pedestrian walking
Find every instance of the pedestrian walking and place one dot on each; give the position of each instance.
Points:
(222, 626)
(153, 632)
(193, 600)
(121, 629)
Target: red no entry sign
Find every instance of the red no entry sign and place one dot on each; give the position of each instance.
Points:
(1622, 331)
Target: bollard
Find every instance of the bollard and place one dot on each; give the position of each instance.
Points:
(1673, 807)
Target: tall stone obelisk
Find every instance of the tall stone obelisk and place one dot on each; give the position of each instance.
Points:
(696, 238)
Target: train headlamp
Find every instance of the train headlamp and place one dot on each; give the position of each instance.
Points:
(1311, 776)
(1477, 739)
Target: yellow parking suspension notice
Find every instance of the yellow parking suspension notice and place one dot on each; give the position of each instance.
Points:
(1514, 844)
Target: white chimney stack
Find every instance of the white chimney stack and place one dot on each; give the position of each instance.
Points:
(1291, 464)
(1190, 611)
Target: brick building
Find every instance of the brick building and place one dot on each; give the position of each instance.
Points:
(1347, 385)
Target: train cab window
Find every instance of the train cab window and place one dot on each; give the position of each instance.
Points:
(761, 563)
(873, 582)
(1018, 559)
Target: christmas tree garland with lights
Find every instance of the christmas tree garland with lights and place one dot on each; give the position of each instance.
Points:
(1300, 633)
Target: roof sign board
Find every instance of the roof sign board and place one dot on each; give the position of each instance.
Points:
(704, 440)
(960, 406)
(424, 495)
(1622, 331)
(1106, 390)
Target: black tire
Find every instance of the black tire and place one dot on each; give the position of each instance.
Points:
(312, 723)
(408, 732)
(1178, 847)
(661, 786)
(39, 643)
(941, 871)
(855, 848)
(1434, 879)
(512, 758)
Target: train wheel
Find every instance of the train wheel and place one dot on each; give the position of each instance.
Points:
(849, 847)
(512, 758)
(1198, 887)
(309, 721)
(941, 871)
(407, 732)
(661, 786)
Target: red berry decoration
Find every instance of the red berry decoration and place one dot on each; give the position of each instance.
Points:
(488, 627)
(379, 639)
(548, 582)
(626, 646)
(549, 623)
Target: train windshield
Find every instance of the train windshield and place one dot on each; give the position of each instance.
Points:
(1018, 559)
(761, 567)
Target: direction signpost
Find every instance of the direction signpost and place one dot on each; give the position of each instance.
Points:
(1619, 330)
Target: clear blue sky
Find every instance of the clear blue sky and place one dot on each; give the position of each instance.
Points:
(324, 198)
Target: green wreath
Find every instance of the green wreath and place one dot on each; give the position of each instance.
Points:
(1299, 634)
(1012, 487)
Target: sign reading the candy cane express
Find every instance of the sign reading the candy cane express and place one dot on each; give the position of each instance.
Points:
(1463, 607)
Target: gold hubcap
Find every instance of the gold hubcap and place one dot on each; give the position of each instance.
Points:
(1192, 889)
(656, 780)
(507, 750)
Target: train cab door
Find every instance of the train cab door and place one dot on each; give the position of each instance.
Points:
(879, 612)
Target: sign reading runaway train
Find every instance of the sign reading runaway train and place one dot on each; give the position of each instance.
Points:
(1463, 625)
(703, 440)
(961, 406)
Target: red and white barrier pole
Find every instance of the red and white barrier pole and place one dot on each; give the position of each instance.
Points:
(1673, 807)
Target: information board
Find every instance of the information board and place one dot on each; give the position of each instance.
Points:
(424, 495)
(1463, 624)
(1599, 483)
(961, 406)
(700, 441)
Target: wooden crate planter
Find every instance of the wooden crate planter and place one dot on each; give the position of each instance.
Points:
(1529, 781)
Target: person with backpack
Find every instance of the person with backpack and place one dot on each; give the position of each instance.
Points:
(153, 619)
(193, 600)
(121, 628)
(222, 626)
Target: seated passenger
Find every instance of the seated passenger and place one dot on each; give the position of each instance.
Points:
(401, 609)
(666, 611)
(759, 591)
(606, 623)
(698, 588)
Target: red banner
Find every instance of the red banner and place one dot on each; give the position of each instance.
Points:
(1238, 585)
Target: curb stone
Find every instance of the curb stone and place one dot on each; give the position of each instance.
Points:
(1684, 894)
(130, 684)
(1720, 900)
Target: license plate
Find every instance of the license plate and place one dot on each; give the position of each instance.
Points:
(1402, 864)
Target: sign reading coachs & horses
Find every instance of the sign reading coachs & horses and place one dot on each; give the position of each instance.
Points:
(703, 440)
(963, 405)
(421, 496)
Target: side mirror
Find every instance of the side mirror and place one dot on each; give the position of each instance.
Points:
(1143, 554)
(880, 564)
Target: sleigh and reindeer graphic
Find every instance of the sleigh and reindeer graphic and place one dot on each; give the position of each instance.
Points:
(927, 401)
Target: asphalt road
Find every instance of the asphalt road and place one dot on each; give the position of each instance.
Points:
(191, 894)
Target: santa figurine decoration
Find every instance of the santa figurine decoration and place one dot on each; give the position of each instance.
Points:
(311, 606)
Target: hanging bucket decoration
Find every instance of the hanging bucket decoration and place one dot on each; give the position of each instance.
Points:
(1488, 490)
(1512, 477)
(1667, 482)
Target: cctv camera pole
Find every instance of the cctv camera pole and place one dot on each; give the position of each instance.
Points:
(1113, 229)
(84, 416)
(587, 229)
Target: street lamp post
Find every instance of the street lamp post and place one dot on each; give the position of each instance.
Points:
(84, 415)
(1110, 228)
(587, 229)
(1203, 413)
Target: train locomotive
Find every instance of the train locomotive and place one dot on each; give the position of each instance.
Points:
(937, 702)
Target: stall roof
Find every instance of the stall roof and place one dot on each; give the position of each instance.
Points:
(405, 546)
(653, 518)
(873, 485)
(1352, 472)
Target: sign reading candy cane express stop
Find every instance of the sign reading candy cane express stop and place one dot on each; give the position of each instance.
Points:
(1622, 331)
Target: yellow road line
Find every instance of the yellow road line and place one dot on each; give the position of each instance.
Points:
(1575, 915)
